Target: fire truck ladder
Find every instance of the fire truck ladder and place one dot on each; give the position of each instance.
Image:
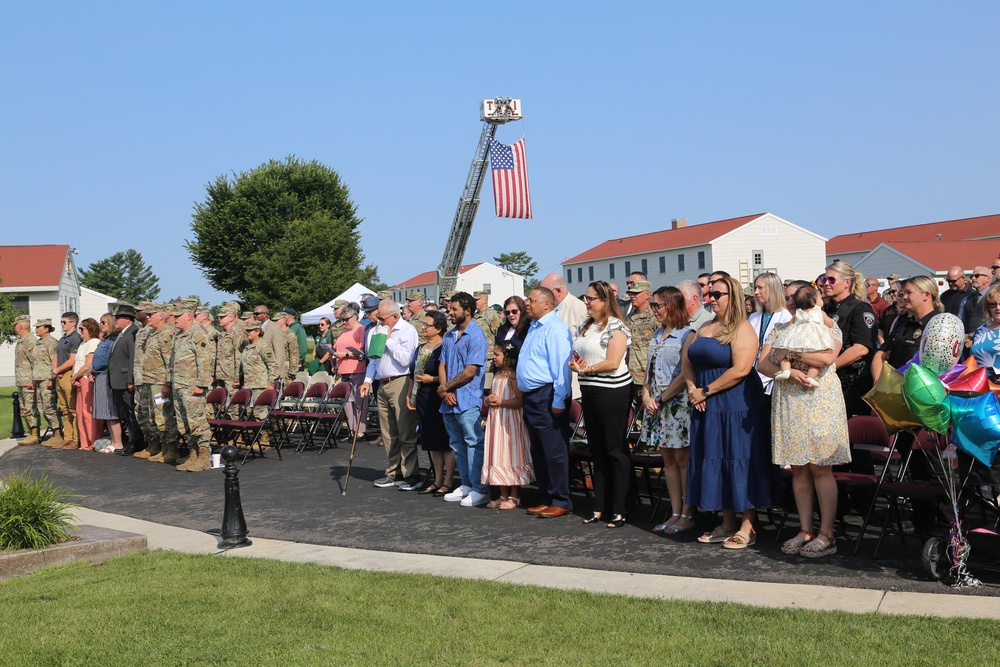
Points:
(468, 203)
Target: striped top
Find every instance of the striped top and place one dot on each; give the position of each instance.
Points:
(593, 347)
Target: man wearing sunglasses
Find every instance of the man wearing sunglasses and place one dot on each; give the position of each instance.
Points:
(972, 313)
(958, 291)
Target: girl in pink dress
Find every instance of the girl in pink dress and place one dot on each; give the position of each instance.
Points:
(506, 460)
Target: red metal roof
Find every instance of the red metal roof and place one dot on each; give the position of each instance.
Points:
(942, 255)
(662, 240)
(983, 227)
(430, 277)
(32, 265)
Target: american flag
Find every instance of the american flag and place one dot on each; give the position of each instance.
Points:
(510, 179)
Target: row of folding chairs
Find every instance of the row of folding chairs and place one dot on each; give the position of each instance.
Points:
(306, 414)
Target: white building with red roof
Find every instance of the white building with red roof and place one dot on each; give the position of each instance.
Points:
(928, 249)
(44, 283)
(491, 278)
(744, 247)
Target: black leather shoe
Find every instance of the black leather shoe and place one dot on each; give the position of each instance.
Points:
(127, 451)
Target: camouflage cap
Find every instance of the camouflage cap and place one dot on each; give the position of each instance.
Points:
(47, 322)
(640, 286)
(146, 307)
(385, 294)
(252, 326)
(893, 277)
(340, 303)
(229, 308)
(447, 296)
(246, 314)
(183, 306)
(23, 318)
(416, 296)
(278, 317)
(480, 294)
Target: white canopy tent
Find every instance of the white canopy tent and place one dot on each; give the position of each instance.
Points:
(352, 293)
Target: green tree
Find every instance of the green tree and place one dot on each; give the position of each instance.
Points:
(520, 263)
(123, 275)
(8, 315)
(283, 234)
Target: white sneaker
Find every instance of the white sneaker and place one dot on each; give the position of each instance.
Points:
(458, 494)
(475, 499)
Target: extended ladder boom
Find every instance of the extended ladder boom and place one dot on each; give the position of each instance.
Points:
(493, 112)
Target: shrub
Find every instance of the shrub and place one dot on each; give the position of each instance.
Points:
(33, 513)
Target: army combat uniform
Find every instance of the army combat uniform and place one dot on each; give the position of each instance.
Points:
(642, 324)
(24, 367)
(45, 395)
(190, 370)
(259, 367)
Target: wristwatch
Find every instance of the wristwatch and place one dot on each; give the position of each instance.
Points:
(705, 390)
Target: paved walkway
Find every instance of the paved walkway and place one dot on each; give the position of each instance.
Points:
(640, 584)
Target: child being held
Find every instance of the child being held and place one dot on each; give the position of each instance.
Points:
(808, 332)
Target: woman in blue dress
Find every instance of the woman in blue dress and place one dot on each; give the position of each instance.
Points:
(729, 468)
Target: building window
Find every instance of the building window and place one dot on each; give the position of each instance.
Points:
(579, 275)
(21, 303)
(590, 272)
(758, 257)
(663, 264)
(628, 269)
(769, 231)
(569, 275)
(680, 262)
(611, 271)
(645, 267)
(701, 260)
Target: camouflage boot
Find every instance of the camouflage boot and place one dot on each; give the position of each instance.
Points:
(202, 462)
(56, 440)
(31, 439)
(169, 454)
(153, 450)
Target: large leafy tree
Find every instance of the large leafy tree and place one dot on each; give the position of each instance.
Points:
(8, 315)
(283, 234)
(124, 275)
(519, 262)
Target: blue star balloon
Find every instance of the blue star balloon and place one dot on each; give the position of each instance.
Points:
(975, 426)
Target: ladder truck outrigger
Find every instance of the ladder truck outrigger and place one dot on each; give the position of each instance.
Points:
(493, 113)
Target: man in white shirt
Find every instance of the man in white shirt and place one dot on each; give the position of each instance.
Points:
(397, 423)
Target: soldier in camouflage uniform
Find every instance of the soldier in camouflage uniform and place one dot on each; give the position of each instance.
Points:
(24, 367)
(45, 356)
(488, 319)
(415, 300)
(338, 326)
(385, 295)
(187, 386)
(203, 318)
(229, 347)
(291, 347)
(257, 364)
(155, 372)
(145, 388)
(642, 323)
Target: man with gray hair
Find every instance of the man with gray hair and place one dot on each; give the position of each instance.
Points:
(972, 313)
(693, 304)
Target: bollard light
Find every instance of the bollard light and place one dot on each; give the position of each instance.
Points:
(234, 526)
(17, 430)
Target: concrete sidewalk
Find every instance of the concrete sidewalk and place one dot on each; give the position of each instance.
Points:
(796, 596)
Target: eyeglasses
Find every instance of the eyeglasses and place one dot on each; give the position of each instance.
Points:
(993, 304)
(995, 267)
(980, 275)
(512, 312)
(656, 306)
(827, 280)
(703, 285)
(892, 291)
(587, 298)
(424, 325)
(66, 322)
(717, 295)
(952, 282)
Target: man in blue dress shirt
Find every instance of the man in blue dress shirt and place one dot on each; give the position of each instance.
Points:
(544, 376)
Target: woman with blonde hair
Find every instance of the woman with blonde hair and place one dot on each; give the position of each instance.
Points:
(729, 467)
(921, 301)
(769, 294)
(844, 289)
(606, 393)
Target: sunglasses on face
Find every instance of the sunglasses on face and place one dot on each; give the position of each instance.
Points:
(512, 312)
(256, 314)
(995, 267)
(980, 275)
(587, 298)
(827, 280)
(993, 304)
(703, 285)
(656, 306)
(717, 295)
(952, 282)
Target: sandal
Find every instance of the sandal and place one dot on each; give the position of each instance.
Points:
(794, 545)
(441, 490)
(430, 488)
(716, 535)
(594, 519)
(495, 504)
(617, 521)
(511, 504)
(676, 529)
(663, 527)
(740, 540)
(820, 550)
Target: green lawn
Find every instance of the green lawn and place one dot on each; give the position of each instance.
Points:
(6, 411)
(166, 608)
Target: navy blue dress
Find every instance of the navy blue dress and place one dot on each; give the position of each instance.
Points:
(730, 463)
(433, 436)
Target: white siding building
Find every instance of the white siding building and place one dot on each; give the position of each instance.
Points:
(499, 282)
(744, 247)
(44, 283)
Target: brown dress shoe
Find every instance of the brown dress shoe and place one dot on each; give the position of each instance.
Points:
(537, 508)
(551, 512)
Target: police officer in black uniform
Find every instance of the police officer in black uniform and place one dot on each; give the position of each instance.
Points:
(859, 326)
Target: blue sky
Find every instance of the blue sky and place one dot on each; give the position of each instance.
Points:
(838, 117)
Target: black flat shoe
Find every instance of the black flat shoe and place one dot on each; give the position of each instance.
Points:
(127, 451)
(617, 521)
(430, 488)
(594, 519)
(441, 490)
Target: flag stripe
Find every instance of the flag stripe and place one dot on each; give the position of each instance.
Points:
(509, 167)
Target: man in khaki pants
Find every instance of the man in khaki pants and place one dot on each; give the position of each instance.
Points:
(62, 371)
